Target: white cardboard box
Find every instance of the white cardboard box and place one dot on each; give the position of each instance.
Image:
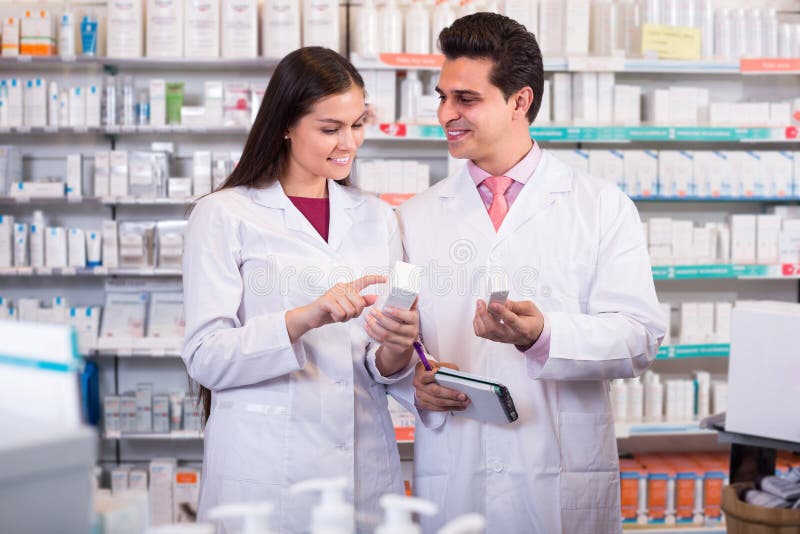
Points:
(762, 374)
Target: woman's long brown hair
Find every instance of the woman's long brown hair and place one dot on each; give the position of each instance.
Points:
(300, 80)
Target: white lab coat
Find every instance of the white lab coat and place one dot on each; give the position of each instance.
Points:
(286, 412)
(573, 245)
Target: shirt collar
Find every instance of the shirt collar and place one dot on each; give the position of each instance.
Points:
(520, 172)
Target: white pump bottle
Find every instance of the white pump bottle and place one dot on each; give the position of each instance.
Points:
(255, 515)
(182, 528)
(333, 515)
(465, 524)
(398, 514)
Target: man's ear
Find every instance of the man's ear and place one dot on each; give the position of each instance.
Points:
(523, 100)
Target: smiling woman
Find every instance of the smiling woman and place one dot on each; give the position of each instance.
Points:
(294, 388)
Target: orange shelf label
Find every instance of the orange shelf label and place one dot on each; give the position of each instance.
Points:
(759, 65)
(413, 60)
(404, 433)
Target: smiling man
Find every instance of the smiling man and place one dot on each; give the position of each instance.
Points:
(582, 308)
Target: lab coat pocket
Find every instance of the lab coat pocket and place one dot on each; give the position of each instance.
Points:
(255, 443)
(587, 442)
(590, 503)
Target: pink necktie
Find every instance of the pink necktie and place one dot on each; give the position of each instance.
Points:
(499, 207)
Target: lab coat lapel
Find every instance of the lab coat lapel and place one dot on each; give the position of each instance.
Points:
(343, 204)
(466, 206)
(539, 193)
(274, 197)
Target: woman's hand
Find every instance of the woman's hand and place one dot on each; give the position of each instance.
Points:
(396, 330)
(339, 304)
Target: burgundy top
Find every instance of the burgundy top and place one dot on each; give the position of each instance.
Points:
(317, 211)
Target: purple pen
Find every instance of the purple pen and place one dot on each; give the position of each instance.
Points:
(421, 354)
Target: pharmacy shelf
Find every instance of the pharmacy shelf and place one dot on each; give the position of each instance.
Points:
(143, 436)
(395, 199)
(604, 134)
(600, 64)
(135, 353)
(106, 201)
(143, 64)
(677, 529)
(431, 132)
(633, 430)
(786, 271)
(658, 198)
(125, 130)
(707, 350)
(88, 271)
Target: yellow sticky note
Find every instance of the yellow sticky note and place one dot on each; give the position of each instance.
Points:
(670, 42)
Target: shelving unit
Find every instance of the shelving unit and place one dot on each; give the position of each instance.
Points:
(607, 134)
(122, 368)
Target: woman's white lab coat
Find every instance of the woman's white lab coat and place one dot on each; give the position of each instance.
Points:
(573, 245)
(285, 412)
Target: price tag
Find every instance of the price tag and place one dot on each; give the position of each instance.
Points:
(670, 42)
(24, 59)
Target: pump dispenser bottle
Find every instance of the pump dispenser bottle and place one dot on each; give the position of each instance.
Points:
(333, 515)
(255, 516)
(398, 514)
(466, 524)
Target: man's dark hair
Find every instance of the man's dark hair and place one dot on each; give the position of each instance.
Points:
(513, 49)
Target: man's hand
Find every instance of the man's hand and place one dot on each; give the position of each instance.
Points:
(431, 396)
(518, 322)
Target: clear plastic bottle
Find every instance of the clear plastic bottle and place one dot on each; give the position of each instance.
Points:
(687, 13)
(705, 21)
(410, 91)
(635, 391)
(390, 22)
(38, 225)
(769, 32)
(143, 108)
(66, 34)
(651, 11)
(754, 32)
(443, 16)
(619, 400)
(738, 33)
(367, 35)
(785, 40)
(110, 101)
(280, 27)
(128, 102)
(418, 28)
(723, 48)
